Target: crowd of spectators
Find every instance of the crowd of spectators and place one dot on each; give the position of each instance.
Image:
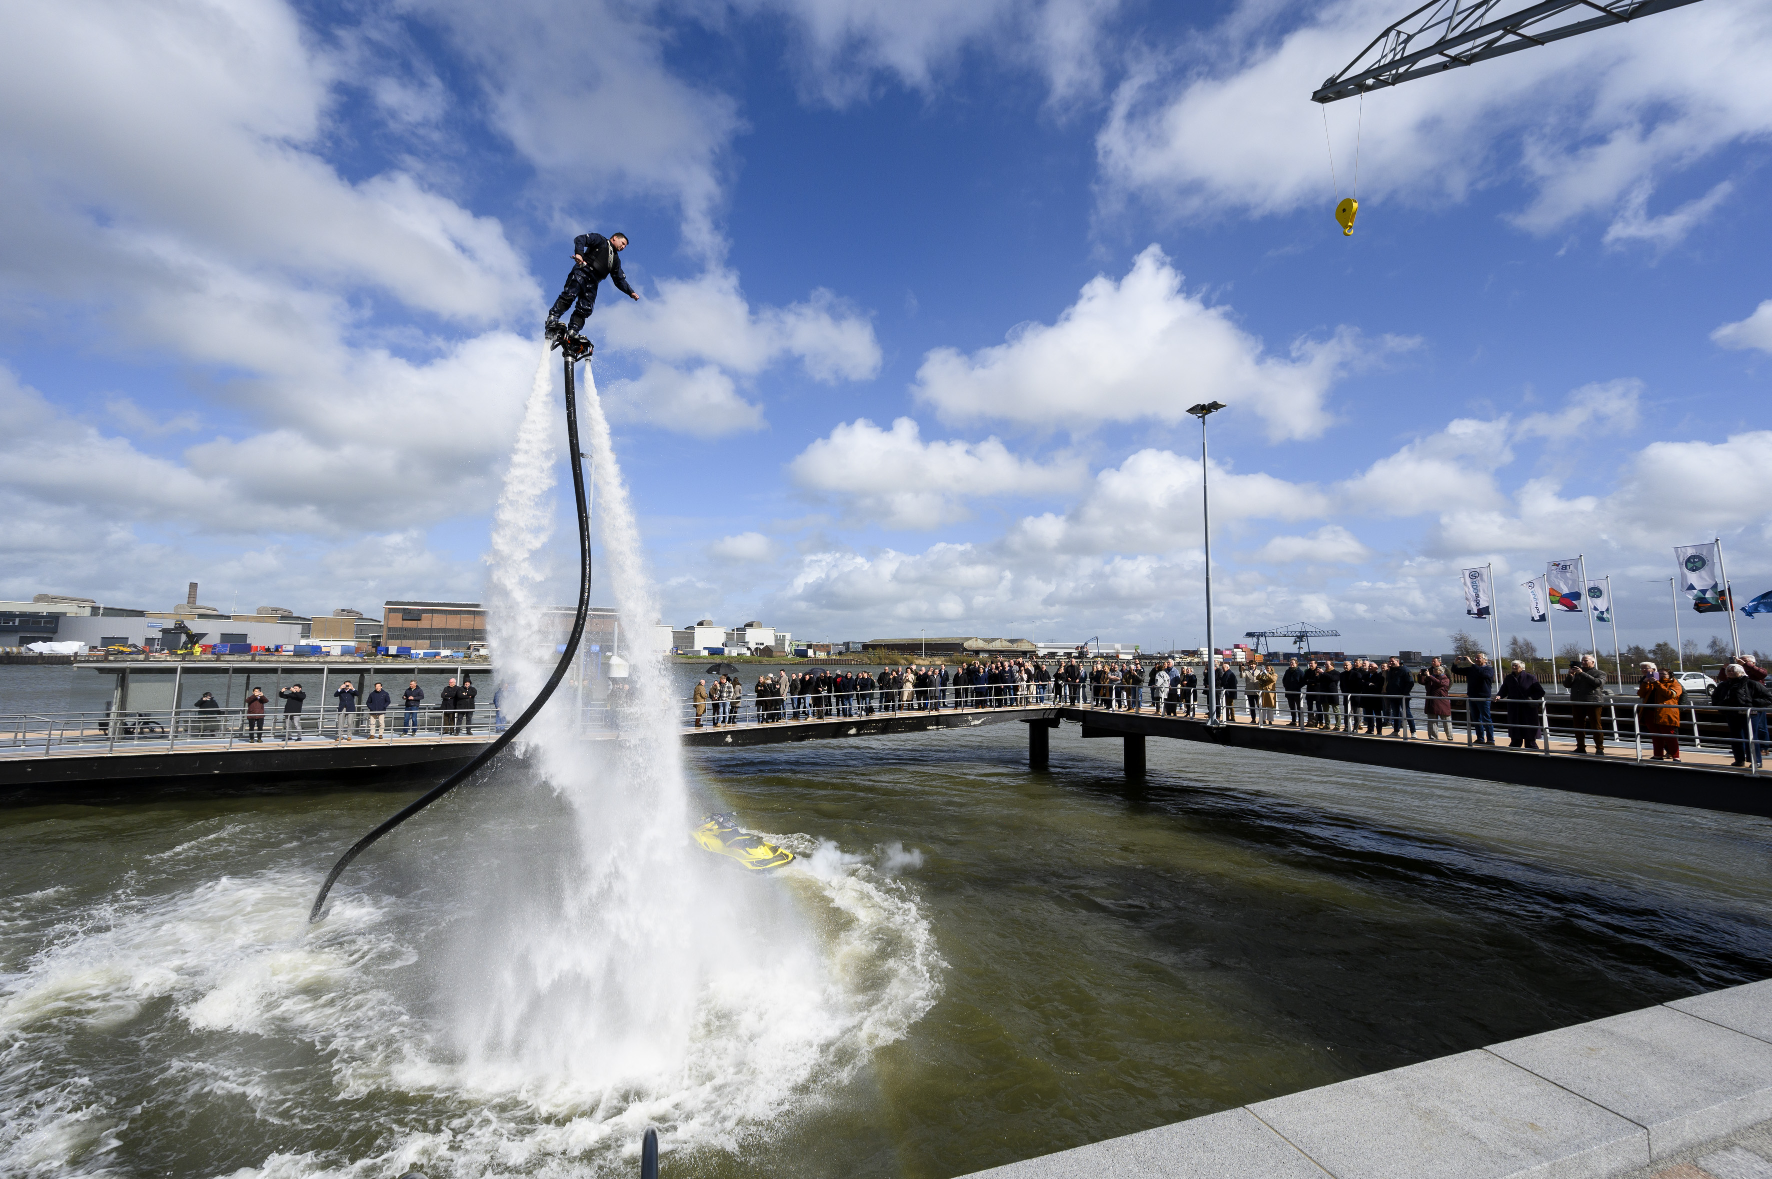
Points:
(1363, 696)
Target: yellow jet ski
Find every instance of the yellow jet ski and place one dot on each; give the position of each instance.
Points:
(721, 835)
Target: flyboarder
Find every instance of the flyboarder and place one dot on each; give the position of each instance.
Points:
(595, 258)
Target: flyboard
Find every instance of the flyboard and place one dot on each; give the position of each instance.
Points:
(574, 348)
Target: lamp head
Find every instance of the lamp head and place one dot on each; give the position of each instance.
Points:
(1205, 407)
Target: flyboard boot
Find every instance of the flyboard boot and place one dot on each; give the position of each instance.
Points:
(565, 338)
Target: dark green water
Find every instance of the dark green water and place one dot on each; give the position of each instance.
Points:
(1100, 958)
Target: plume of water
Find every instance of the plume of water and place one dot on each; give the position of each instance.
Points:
(614, 975)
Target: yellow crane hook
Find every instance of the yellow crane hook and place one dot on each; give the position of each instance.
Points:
(1344, 215)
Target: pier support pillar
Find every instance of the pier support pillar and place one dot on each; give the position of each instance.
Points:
(1134, 743)
(1039, 742)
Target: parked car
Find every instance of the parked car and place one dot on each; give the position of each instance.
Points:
(1695, 683)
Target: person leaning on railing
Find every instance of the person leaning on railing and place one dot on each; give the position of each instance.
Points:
(1737, 693)
(1661, 719)
(1587, 692)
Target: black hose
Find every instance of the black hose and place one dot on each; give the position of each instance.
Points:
(566, 657)
(649, 1155)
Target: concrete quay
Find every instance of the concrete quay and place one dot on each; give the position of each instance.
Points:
(1652, 1093)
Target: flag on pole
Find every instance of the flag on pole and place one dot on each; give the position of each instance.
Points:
(1479, 595)
(1698, 576)
(1760, 605)
(1535, 591)
(1563, 585)
(1599, 601)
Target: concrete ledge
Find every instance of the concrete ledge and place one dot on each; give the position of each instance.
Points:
(1234, 1144)
(1595, 1100)
(1470, 1116)
(1681, 1078)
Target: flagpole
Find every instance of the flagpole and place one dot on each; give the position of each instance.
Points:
(1550, 619)
(1612, 613)
(1494, 622)
(1679, 647)
(1728, 600)
(1593, 643)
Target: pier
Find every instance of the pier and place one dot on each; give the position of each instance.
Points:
(85, 758)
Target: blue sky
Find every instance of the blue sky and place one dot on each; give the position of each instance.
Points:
(926, 288)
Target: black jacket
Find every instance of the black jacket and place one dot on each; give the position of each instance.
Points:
(292, 698)
(1740, 692)
(379, 700)
(1227, 679)
(207, 704)
(1398, 681)
(1293, 680)
(601, 260)
(413, 697)
(1585, 686)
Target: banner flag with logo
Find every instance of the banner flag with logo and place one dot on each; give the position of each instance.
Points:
(1698, 576)
(1599, 601)
(1479, 595)
(1760, 605)
(1535, 591)
(1563, 585)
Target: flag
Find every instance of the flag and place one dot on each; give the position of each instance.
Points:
(1600, 602)
(1535, 591)
(1479, 595)
(1760, 605)
(1698, 576)
(1563, 585)
(1715, 603)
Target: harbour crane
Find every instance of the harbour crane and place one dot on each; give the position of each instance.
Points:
(1298, 632)
(1445, 34)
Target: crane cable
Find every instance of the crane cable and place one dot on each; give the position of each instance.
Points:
(566, 656)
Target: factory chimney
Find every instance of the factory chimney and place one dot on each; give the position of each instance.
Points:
(191, 595)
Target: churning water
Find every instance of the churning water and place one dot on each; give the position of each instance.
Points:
(519, 982)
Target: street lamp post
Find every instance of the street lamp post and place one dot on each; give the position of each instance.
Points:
(1201, 411)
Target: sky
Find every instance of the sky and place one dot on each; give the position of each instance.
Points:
(926, 291)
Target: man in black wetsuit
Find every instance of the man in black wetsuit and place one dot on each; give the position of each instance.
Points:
(595, 258)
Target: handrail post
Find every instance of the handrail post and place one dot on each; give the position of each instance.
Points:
(1636, 724)
(1544, 724)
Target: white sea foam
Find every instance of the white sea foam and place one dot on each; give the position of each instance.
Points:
(588, 975)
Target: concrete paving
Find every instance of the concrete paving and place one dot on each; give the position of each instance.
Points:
(1678, 1091)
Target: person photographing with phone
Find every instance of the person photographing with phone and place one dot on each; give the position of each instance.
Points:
(1658, 712)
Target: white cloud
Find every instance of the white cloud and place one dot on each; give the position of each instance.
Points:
(1591, 123)
(140, 124)
(1634, 224)
(1141, 348)
(603, 123)
(746, 546)
(1753, 332)
(895, 478)
(708, 318)
(1330, 544)
(702, 402)
(1150, 503)
(840, 45)
(1608, 407)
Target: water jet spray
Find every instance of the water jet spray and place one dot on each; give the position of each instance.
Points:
(572, 355)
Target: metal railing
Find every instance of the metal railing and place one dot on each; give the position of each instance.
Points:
(1533, 724)
(153, 730)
